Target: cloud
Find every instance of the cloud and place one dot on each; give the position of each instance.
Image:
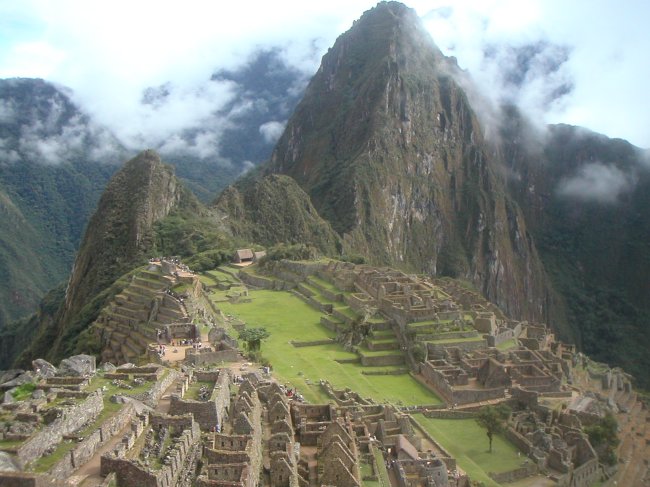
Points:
(7, 111)
(271, 131)
(597, 182)
(589, 71)
(246, 166)
(585, 59)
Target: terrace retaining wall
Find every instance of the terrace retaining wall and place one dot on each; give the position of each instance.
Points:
(85, 450)
(72, 419)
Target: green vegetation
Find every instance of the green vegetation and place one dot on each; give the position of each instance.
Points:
(24, 391)
(382, 473)
(459, 438)
(253, 338)
(602, 437)
(507, 345)
(195, 387)
(274, 210)
(288, 318)
(493, 419)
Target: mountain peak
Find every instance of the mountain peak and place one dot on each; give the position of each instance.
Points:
(119, 234)
(389, 149)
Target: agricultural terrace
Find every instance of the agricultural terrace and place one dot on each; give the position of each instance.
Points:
(468, 443)
(287, 318)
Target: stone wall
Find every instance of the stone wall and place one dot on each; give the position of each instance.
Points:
(437, 350)
(152, 397)
(447, 458)
(132, 474)
(84, 451)
(207, 414)
(448, 414)
(453, 395)
(382, 360)
(23, 479)
(204, 356)
(264, 282)
(585, 475)
(517, 439)
(72, 419)
(513, 475)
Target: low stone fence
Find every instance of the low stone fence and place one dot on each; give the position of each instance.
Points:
(386, 372)
(513, 475)
(313, 343)
(72, 419)
(556, 394)
(449, 414)
(73, 394)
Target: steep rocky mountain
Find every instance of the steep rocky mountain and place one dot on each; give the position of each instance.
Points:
(392, 154)
(120, 236)
(121, 231)
(54, 164)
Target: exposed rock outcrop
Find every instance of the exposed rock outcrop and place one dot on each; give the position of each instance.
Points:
(392, 154)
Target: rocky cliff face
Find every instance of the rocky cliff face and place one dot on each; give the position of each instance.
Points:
(121, 231)
(386, 144)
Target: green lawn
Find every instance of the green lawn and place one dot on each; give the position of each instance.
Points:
(195, 387)
(287, 318)
(508, 344)
(468, 443)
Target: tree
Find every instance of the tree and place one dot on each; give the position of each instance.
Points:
(253, 337)
(603, 437)
(493, 418)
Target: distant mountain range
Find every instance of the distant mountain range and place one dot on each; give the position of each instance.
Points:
(387, 159)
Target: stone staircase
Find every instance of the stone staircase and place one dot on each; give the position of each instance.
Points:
(130, 322)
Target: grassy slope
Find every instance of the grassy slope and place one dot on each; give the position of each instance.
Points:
(468, 443)
(287, 318)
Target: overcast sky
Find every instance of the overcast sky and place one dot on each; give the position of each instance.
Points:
(109, 52)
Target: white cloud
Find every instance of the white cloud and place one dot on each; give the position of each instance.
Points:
(597, 182)
(7, 111)
(109, 52)
(271, 131)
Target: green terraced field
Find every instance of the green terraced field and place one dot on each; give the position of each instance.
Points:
(287, 318)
